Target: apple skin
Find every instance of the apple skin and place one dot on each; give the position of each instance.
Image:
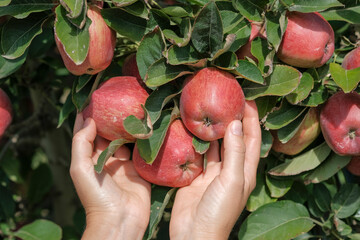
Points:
(352, 59)
(112, 102)
(210, 100)
(340, 124)
(308, 40)
(245, 50)
(177, 164)
(101, 46)
(308, 131)
(5, 112)
(354, 166)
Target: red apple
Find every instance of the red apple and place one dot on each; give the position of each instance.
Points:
(340, 123)
(5, 112)
(177, 164)
(210, 100)
(308, 40)
(101, 46)
(354, 166)
(352, 59)
(257, 30)
(308, 131)
(112, 102)
(130, 68)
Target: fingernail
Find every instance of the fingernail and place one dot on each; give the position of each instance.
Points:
(236, 128)
(87, 122)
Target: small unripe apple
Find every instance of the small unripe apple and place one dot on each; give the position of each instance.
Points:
(210, 100)
(177, 164)
(101, 46)
(308, 131)
(5, 112)
(112, 102)
(352, 59)
(354, 166)
(308, 40)
(340, 123)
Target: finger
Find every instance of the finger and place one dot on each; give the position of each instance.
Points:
(213, 153)
(252, 138)
(123, 153)
(234, 151)
(79, 122)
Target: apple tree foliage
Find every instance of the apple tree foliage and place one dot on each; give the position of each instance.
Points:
(310, 195)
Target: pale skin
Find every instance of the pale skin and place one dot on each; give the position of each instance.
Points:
(117, 202)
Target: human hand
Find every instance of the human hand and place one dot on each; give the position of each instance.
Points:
(209, 207)
(117, 201)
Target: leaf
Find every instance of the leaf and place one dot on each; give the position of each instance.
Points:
(178, 11)
(266, 143)
(284, 116)
(83, 80)
(275, 28)
(200, 146)
(346, 79)
(327, 169)
(265, 105)
(322, 197)
(185, 29)
(139, 128)
(342, 227)
(346, 201)
(303, 90)
(287, 132)
(182, 55)
(305, 162)
(66, 110)
(207, 35)
(350, 15)
(4, 3)
(8, 67)
(278, 187)
(226, 61)
(281, 82)
(12, 167)
(7, 203)
(41, 182)
(39, 229)
(74, 7)
(150, 147)
(229, 16)
(80, 20)
(160, 73)
(138, 9)
(249, 9)
(22, 8)
(260, 50)
(249, 71)
(298, 193)
(75, 41)
(317, 96)
(107, 153)
(17, 34)
(313, 6)
(281, 220)
(149, 51)
(127, 24)
(260, 195)
(123, 3)
(242, 33)
(160, 197)
(81, 97)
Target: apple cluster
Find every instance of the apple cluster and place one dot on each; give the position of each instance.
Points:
(5, 112)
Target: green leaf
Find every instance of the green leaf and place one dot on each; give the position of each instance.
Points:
(286, 133)
(313, 6)
(260, 195)
(107, 153)
(284, 116)
(138, 9)
(178, 11)
(265, 105)
(160, 197)
(7, 203)
(242, 33)
(41, 182)
(281, 220)
(282, 81)
(249, 9)
(249, 71)
(260, 50)
(354, 236)
(207, 35)
(74, 7)
(350, 15)
(317, 96)
(346, 201)
(80, 20)
(275, 28)
(8, 67)
(278, 187)
(4, 3)
(226, 61)
(297, 193)
(66, 110)
(303, 90)
(83, 80)
(139, 128)
(322, 197)
(185, 30)
(22, 8)
(39, 229)
(346, 79)
(200, 146)
(12, 167)
(150, 147)
(305, 162)
(81, 97)
(127, 24)
(266, 143)
(149, 51)
(160, 73)
(182, 55)
(17, 34)
(230, 17)
(123, 3)
(327, 169)
(342, 227)
(75, 41)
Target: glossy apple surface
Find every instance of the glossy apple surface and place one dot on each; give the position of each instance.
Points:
(352, 59)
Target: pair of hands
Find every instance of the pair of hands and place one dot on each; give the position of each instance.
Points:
(117, 201)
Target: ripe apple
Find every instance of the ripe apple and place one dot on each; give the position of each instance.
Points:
(352, 59)
(112, 102)
(101, 46)
(340, 123)
(5, 112)
(210, 100)
(354, 166)
(308, 40)
(257, 30)
(130, 68)
(308, 131)
(177, 164)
